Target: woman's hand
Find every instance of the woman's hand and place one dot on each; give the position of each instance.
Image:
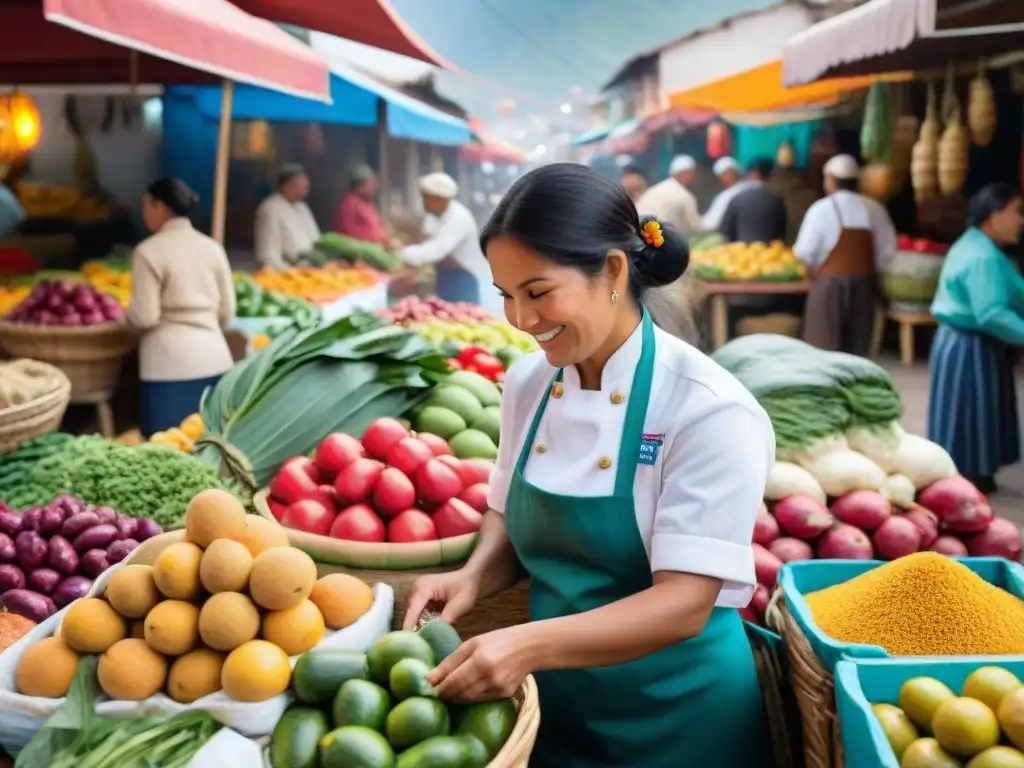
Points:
(456, 591)
(486, 667)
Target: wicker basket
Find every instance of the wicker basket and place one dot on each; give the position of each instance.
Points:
(90, 356)
(34, 418)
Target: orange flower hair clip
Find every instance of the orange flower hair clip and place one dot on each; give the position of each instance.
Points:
(652, 235)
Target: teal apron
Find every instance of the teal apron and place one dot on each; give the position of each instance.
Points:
(697, 703)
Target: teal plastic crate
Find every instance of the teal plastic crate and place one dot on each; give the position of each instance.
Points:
(863, 682)
(801, 578)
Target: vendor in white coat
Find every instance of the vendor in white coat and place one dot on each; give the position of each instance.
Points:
(452, 245)
(285, 227)
(728, 172)
(670, 200)
(629, 475)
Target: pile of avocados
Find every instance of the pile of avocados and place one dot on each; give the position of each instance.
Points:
(377, 710)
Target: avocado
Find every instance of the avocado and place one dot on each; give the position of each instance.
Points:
(360, 702)
(491, 722)
(319, 674)
(355, 745)
(296, 738)
(416, 719)
(473, 444)
(489, 422)
(482, 389)
(457, 399)
(444, 752)
(439, 421)
(441, 637)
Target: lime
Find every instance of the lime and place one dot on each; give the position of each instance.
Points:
(415, 720)
(391, 649)
(360, 702)
(355, 746)
(409, 678)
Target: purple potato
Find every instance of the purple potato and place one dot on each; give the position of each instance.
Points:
(75, 524)
(32, 550)
(72, 588)
(8, 554)
(50, 521)
(126, 527)
(29, 604)
(97, 537)
(147, 528)
(10, 522)
(94, 562)
(119, 550)
(61, 556)
(43, 580)
(106, 514)
(30, 518)
(69, 505)
(11, 577)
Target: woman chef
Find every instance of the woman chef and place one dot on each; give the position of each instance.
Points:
(630, 472)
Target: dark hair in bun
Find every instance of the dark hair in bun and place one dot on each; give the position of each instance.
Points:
(175, 194)
(574, 216)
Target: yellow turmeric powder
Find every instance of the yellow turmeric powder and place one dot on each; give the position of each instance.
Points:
(922, 605)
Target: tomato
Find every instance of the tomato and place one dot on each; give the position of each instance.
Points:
(499, 377)
(468, 354)
(921, 245)
(410, 526)
(905, 243)
(309, 516)
(358, 523)
(486, 364)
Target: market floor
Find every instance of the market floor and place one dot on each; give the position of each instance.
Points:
(913, 387)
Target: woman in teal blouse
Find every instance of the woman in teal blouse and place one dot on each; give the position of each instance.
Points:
(972, 411)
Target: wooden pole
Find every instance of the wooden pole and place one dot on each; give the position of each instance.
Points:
(383, 171)
(220, 179)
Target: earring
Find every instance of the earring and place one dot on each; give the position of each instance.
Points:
(615, 296)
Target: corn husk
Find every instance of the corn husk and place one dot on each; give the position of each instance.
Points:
(954, 144)
(981, 109)
(924, 174)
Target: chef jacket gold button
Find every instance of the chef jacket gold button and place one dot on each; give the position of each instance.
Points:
(541, 448)
(618, 398)
(604, 462)
(556, 390)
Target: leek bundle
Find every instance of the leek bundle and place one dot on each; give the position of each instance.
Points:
(336, 377)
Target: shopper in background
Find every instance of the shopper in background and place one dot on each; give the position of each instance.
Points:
(182, 298)
(845, 241)
(358, 216)
(728, 172)
(634, 182)
(671, 201)
(452, 245)
(285, 227)
(756, 214)
(972, 407)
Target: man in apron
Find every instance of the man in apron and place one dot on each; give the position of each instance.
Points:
(844, 242)
(453, 242)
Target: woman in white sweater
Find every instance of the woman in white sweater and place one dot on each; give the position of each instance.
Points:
(182, 298)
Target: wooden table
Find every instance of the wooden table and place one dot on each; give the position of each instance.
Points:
(718, 295)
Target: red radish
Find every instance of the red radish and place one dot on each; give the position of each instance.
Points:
(326, 495)
(355, 483)
(766, 530)
(437, 482)
(958, 504)
(1000, 539)
(293, 482)
(844, 542)
(476, 496)
(437, 445)
(409, 455)
(277, 509)
(455, 518)
(862, 509)
(927, 523)
(393, 492)
(307, 465)
(788, 549)
(802, 516)
(335, 452)
(358, 523)
(475, 471)
(896, 538)
(383, 435)
(411, 526)
(309, 516)
(949, 545)
(759, 601)
(766, 566)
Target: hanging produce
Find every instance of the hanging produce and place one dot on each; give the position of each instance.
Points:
(981, 109)
(903, 140)
(785, 157)
(20, 126)
(954, 144)
(876, 143)
(719, 140)
(924, 157)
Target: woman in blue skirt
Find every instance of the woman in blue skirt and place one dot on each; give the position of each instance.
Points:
(182, 298)
(972, 411)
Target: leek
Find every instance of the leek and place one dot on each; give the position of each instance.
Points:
(335, 377)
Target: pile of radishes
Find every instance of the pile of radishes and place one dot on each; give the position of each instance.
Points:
(950, 517)
(66, 303)
(50, 555)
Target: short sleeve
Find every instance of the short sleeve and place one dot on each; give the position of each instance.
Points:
(714, 477)
(808, 246)
(515, 397)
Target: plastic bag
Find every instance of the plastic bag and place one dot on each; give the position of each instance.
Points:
(228, 748)
(23, 715)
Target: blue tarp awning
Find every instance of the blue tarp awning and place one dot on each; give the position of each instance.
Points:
(354, 99)
(622, 129)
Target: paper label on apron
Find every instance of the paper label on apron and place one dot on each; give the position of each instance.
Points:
(649, 447)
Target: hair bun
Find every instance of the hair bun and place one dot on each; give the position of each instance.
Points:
(665, 263)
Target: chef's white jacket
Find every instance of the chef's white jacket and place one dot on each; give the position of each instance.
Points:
(696, 504)
(284, 231)
(821, 226)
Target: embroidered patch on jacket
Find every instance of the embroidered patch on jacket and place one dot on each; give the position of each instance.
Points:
(649, 447)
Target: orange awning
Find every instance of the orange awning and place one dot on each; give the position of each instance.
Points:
(761, 89)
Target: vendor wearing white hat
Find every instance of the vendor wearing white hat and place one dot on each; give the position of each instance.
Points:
(453, 245)
(845, 241)
(670, 200)
(728, 172)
